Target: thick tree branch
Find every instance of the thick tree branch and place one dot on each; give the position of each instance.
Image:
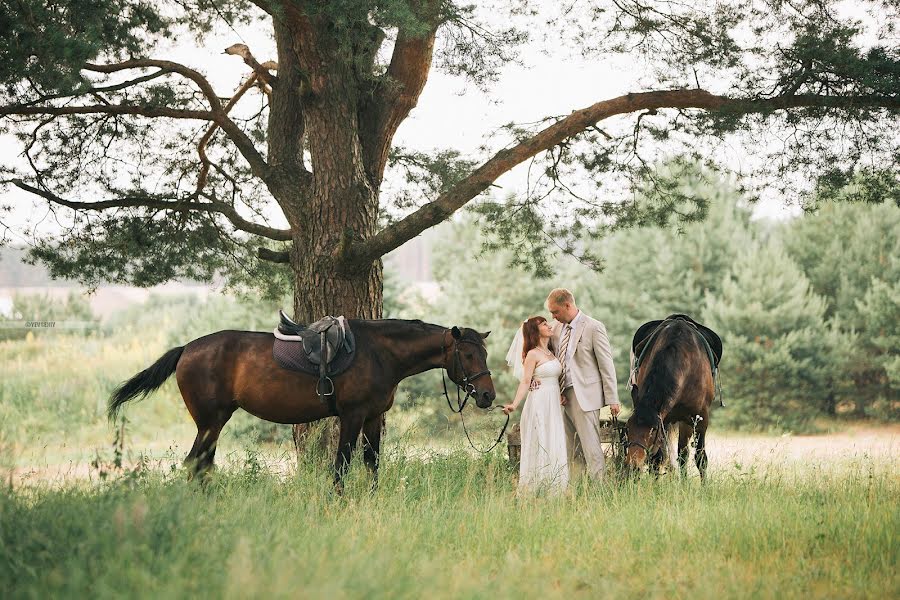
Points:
(93, 91)
(398, 94)
(244, 144)
(216, 114)
(363, 253)
(258, 164)
(206, 164)
(109, 109)
(174, 67)
(186, 204)
(305, 44)
(286, 107)
(273, 256)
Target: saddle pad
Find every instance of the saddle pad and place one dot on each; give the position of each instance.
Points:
(712, 338)
(291, 356)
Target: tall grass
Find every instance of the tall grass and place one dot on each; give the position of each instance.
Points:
(452, 526)
(440, 525)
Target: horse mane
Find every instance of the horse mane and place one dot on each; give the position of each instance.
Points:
(660, 383)
(415, 327)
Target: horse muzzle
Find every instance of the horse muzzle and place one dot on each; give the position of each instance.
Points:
(635, 456)
(485, 398)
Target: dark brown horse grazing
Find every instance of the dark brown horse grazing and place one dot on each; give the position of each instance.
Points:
(227, 370)
(674, 385)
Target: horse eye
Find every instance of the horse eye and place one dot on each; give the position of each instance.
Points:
(469, 355)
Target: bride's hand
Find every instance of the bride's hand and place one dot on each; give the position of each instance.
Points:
(508, 408)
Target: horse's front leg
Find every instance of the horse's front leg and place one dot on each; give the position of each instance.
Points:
(351, 424)
(700, 451)
(372, 430)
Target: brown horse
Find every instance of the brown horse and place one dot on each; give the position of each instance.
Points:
(675, 384)
(227, 370)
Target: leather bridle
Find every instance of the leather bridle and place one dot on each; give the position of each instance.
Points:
(467, 386)
(657, 429)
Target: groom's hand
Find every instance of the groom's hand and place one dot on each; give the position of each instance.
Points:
(614, 409)
(535, 384)
(562, 400)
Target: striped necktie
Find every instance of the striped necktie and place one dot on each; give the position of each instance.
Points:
(563, 355)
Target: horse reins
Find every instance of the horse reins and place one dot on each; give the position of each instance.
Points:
(469, 388)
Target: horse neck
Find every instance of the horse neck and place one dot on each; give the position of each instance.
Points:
(660, 386)
(416, 348)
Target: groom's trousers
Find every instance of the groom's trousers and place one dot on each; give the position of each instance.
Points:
(583, 436)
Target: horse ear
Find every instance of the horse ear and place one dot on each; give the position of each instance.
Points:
(484, 335)
(457, 334)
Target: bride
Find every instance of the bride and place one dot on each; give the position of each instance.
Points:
(544, 457)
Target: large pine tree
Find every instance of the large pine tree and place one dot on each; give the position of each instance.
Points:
(842, 246)
(785, 361)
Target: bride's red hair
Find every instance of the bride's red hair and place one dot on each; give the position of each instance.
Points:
(531, 334)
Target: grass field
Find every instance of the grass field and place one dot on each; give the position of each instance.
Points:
(781, 517)
(451, 525)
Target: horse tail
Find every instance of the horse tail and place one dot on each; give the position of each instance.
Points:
(144, 382)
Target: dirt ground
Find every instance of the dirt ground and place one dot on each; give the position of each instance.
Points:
(862, 442)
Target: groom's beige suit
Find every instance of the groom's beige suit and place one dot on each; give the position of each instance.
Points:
(590, 385)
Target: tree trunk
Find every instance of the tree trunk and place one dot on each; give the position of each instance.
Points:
(317, 294)
(342, 207)
(315, 107)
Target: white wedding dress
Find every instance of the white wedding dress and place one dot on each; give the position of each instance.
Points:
(544, 464)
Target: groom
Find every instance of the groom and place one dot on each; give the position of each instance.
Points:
(588, 379)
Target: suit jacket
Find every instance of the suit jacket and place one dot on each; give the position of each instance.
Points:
(593, 373)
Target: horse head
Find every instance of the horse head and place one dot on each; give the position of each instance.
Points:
(467, 365)
(645, 435)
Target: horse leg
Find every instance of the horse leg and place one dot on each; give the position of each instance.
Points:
(202, 455)
(208, 454)
(351, 424)
(700, 451)
(211, 404)
(200, 459)
(684, 447)
(192, 459)
(372, 429)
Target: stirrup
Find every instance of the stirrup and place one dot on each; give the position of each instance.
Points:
(321, 393)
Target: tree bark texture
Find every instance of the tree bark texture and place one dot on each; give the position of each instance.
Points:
(315, 107)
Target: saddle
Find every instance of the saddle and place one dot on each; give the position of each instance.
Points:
(646, 332)
(324, 349)
(647, 329)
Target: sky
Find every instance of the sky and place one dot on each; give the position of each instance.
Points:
(450, 112)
